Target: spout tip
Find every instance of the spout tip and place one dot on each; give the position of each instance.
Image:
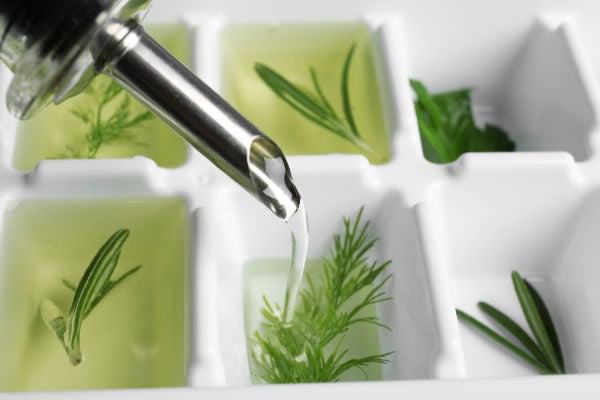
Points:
(272, 178)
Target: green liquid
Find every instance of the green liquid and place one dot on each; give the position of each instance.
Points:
(136, 336)
(52, 132)
(267, 277)
(291, 49)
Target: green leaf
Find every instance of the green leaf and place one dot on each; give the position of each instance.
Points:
(492, 138)
(432, 115)
(297, 98)
(317, 86)
(109, 286)
(316, 107)
(93, 280)
(105, 290)
(346, 92)
(69, 285)
(515, 330)
(548, 324)
(435, 145)
(448, 128)
(94, 285)
(535, 322)
(433, 149)
(545, 352)
(463, 316)
(458, 125)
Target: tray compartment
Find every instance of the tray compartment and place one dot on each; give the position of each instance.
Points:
(141, 326)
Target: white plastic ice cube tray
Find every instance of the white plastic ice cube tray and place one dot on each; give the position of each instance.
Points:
(454, 232)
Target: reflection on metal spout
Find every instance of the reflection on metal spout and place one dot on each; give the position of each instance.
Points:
(272, 179)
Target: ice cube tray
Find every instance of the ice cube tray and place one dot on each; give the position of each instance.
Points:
(454, 231)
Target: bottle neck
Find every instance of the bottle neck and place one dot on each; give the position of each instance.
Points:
(45, 44)
(46, 27)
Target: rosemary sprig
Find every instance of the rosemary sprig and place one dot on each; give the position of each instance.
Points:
(311, 347)
(106, 127)
(544, 352)
(94, 285)
(315, 106)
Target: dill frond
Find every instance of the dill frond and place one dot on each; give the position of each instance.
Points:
(106, 121)
(311, 348)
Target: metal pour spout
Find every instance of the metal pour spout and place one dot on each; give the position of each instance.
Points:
(124, 51)
(116, 44)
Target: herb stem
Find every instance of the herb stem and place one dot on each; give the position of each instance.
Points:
(94, 285)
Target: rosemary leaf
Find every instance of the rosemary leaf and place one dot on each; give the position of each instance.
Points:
(110, 285)
(317, 86)
(69, 285)
(94, 285)
(502, 341)
(316, 107)
(346, 92)
(534, 320)
(548, 324)
(544, 353)
(296, 97)
(513, 328)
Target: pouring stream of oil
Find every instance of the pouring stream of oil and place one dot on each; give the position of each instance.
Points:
(273, 186)
(298, 225)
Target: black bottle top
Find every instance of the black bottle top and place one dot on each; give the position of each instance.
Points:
(54, 25)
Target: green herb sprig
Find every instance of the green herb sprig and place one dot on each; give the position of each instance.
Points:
(94, 285)
(106, 127)
(544, 352)
(311, 347)
(314, 106)
(448, 128)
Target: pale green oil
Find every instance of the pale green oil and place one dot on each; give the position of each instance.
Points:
(267, 278)
(136, 337)
(48, 134)
(291, 49)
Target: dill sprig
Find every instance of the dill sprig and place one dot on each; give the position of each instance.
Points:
(311, 347)
(94, 285)
(106, 126)
(314, 106)
(543, 351)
